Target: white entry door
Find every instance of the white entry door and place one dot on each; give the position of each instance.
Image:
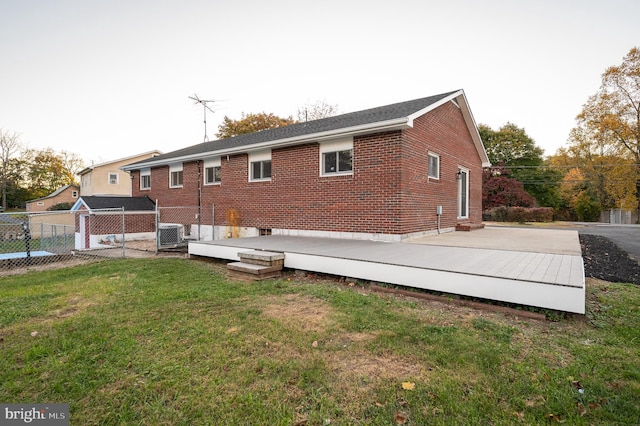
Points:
(463, 193)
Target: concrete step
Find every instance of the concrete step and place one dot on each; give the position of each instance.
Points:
(469, 226)
(260, 257)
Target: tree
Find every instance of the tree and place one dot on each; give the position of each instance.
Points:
(73, 163)
(498, 189)
(510, 145)
(316, 111)
(511, 148)
(47, 172)
(9, 146)
(250, 123)
(609, 123)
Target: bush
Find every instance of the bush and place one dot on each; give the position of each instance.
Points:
(519, 214)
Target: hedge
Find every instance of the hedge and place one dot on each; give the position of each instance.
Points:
(519, 214)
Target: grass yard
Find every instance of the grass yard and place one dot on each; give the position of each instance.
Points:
(171, 341)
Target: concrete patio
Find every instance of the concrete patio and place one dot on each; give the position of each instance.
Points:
(534, 267)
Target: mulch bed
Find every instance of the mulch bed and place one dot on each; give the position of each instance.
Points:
(606, 261)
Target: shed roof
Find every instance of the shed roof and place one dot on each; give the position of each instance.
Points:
(94, 202)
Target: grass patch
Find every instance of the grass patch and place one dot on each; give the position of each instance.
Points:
(172, 341)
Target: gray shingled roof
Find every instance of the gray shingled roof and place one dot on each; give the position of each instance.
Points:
(343, 121)
(129, 203)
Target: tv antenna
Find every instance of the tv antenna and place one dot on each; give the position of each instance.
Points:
(205, 107)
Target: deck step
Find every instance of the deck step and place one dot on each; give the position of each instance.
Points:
(469, 226)
(256, 265)
(261, 257)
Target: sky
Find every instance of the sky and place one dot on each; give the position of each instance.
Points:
(109, 79)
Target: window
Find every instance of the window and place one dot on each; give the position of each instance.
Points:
(337, 162)
(175, 175)
(260, 166)
(434, 166)
(212, 172)
(113, 178)
(145, 179)
(74, 194)
(212, 175)
(40, 203)
(336, 157)
(145, 182)
(261, 170)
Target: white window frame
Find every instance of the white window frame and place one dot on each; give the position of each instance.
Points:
(463, 197)
(74, 194)
(211, 163)
(112, 174)
(40, 203)
(175, 168)
(145, 173)
(431, 173)
(335, 146)
(259, 157)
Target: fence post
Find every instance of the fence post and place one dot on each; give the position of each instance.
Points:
(157, 226)
(124, 254)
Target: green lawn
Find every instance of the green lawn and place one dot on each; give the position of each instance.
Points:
(171, 341)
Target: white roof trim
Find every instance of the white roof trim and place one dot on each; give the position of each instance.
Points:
(395, 124)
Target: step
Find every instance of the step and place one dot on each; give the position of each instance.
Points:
(261, 257)
(469, 226)
(251, 272)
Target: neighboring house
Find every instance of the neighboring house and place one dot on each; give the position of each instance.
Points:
(387, 173)
(101, 222)
(66, 194)
(108, 178)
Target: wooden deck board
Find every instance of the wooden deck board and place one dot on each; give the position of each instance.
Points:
(513, 276)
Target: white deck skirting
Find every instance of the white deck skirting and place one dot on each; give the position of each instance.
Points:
(545, 280)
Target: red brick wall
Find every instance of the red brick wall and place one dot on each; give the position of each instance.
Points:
(388, 193)
(443, 132)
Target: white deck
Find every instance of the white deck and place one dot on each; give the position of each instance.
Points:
(547, 280)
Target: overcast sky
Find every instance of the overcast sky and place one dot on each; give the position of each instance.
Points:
(109, 79)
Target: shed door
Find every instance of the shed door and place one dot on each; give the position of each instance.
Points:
(85, 231)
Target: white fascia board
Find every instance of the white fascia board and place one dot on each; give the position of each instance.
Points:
(79, 203)
(473, 129)
(461, 99)
(433, 106)
(395, 124)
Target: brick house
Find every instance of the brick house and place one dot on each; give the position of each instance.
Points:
(386, 173)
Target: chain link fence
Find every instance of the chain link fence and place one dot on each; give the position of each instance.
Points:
(41, 238)
(179, 225)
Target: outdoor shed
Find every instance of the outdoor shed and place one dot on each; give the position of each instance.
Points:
(387, 173)
(101, 222)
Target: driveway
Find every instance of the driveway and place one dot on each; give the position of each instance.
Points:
(627, 237)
